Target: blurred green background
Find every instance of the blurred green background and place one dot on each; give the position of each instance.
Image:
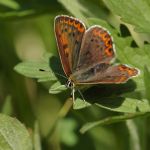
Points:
(27, 32)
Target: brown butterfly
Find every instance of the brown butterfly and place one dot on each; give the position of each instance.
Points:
(86, 54)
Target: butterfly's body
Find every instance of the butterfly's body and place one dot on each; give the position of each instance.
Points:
(86, 55)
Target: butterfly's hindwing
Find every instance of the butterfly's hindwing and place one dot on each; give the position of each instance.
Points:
(105, 74)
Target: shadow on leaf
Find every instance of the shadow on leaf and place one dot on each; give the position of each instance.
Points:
(111, 95)
(55, 65)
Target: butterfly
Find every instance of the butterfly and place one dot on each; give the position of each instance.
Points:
(86, 54)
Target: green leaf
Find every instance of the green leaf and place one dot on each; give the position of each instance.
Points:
(79, 104)
(83, 9)
(96, 21)
(135, 12)
(66, 131)
(10, 4)
(37, 69)
(13, 134)
(147, 82)
(57, 87)
(124, 104)
(32, 69)
(16, 14)
(110, 120)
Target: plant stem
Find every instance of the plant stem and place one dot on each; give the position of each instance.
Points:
(110, 120)
(65, 109)
(61, 114)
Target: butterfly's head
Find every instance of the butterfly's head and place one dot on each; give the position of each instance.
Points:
(69, 84)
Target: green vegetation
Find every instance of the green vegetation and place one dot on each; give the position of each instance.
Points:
(36, 109)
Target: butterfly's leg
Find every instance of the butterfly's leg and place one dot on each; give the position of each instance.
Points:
(81, 95)
(72, 93)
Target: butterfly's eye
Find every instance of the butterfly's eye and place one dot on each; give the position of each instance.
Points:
(69, 84)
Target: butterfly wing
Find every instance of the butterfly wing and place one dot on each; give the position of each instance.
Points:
(97, 47)
(69, 33)
(105, 74)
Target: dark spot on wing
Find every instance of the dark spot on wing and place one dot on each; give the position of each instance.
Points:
(76, 22)
(106, 35)
(66, 18)
(92, 40)
(71, 20)
(76, 42)
(73, 34)
(65, 29)
(110, 49)
(66, 54)
(109, 42)
(88, 54)
(81, 26)
(59, 35)
(108, 77)
(65, 46)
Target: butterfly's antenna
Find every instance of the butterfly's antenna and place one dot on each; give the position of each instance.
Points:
(53, 73)
(81, 94)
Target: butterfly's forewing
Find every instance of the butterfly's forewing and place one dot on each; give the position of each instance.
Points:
(105, 74)
(97, 47)
(69, 33)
